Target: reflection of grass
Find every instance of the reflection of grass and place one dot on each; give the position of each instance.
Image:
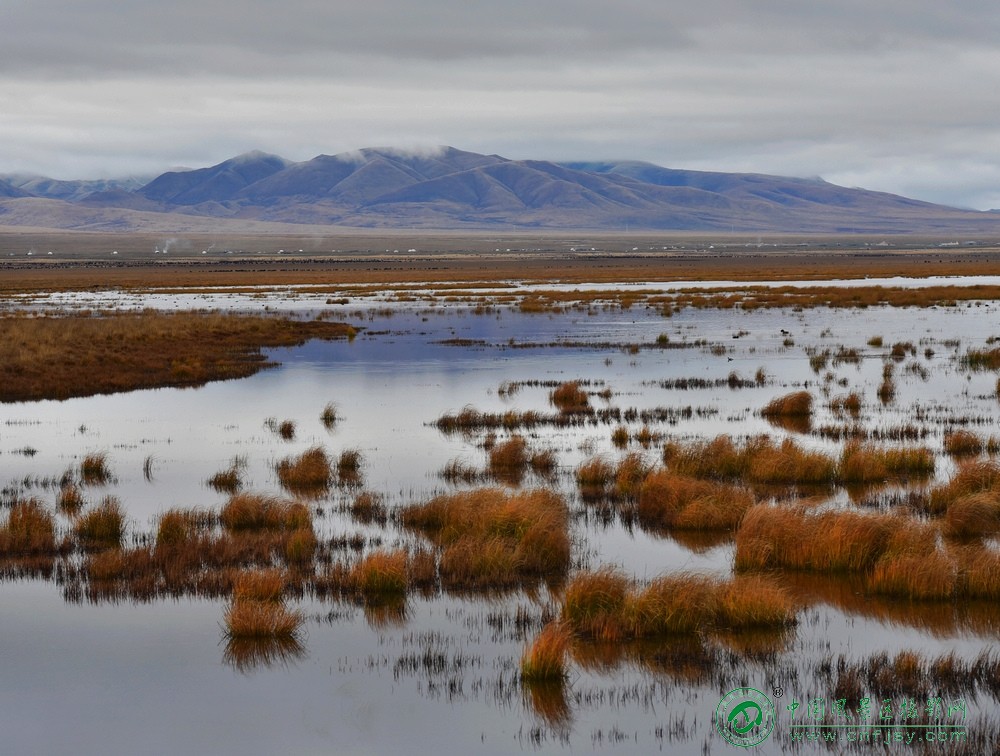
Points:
(246, 655)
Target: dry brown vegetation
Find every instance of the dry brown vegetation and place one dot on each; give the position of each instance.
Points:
(309, 473)
(30, 529)
(569, 398)
(94, 470)
(796, 404)
(257, 512)
(668, 500)
(607, 606)
(229, 480)
(545, 659)
(79, 355)
(491, 538)
(103, 526)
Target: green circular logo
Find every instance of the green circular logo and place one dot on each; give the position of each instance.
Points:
(744, 717)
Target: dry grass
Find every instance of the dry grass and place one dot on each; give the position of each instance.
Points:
(509, 459)
(256, 512)
(607, 606)
(545, 659)
(348, 467)
(329, 416)
(176, 527)
(927, 576)
(797, 404)
(381, 575)
(369, 507)
(594, 476)
(570, 398)
(103, 526)
(261, 619)
(758, 460)
(962, 443)
(30, 529)
(851, 404)
(94, 470)
(286, 429)
(300, 546)
(309, 473)
(865, 463)
(795, 538)
(79, 355)
(494, 538)
(971, 477)
(229, 480)
(973, 515)
(266, 585)
(70, 499)
(667, 500)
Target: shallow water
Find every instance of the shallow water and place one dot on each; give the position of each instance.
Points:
(161, 672)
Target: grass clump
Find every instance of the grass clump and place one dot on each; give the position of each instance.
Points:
(493, 538)
(261, 619)
(348, 467)
(864, 463)
(309, 473)
(229, 480)
(971, 477)
(103, 526)
(594, 476)
(247, 512)
(545, 659)
(793, 537)
(94, 470)
(381, 575)
(962, 443)
(620, 437)
(30, 529)
(509, 459)
(329, 416)
(796, 404)
(267, 585)
(570, 398)
(607, 606)
(758, 460)
(973, 515)
(70, 499)
(668, 500)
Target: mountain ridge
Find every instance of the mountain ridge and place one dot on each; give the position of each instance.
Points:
(448, 188)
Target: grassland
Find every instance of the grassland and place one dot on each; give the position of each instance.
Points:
(80, 355)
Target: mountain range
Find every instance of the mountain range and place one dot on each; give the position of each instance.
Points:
(449, 188)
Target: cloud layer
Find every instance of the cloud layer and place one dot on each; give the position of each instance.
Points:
(897, 96)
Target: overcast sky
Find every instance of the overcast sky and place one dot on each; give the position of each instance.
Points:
(894, 95)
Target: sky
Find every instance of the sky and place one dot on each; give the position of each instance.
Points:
(894, 95)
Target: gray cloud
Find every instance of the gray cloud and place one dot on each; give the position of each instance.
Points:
(900, 95)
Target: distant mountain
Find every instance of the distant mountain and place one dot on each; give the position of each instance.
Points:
(449, 188)
(71, 191)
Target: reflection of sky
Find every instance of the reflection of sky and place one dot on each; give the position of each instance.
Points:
(159, 665)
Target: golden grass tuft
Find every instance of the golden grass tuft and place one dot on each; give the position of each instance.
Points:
(795, 538)
(348, 467)
(929, 576)
(973, 515)
(971, 477)
(630, 472)
(309, 473)
(256, 512)
(329, 416)
(606, 606)
(594, 476)
(94, 470)
(70, 499)
(300, 546)
(369, 507)
(103, 526)
(494, 538)
(266, 585)
(620, 437)
(757, 460)
(570, 398)
(381, 575)
(30, 529)
(261, 619)
(508, 460)
(545, 659)
(176, 527)
(962, 443)
(866, 463)
(796, 404)
(229, 480)
(667, 500)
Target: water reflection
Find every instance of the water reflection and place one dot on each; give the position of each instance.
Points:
(248, 655)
